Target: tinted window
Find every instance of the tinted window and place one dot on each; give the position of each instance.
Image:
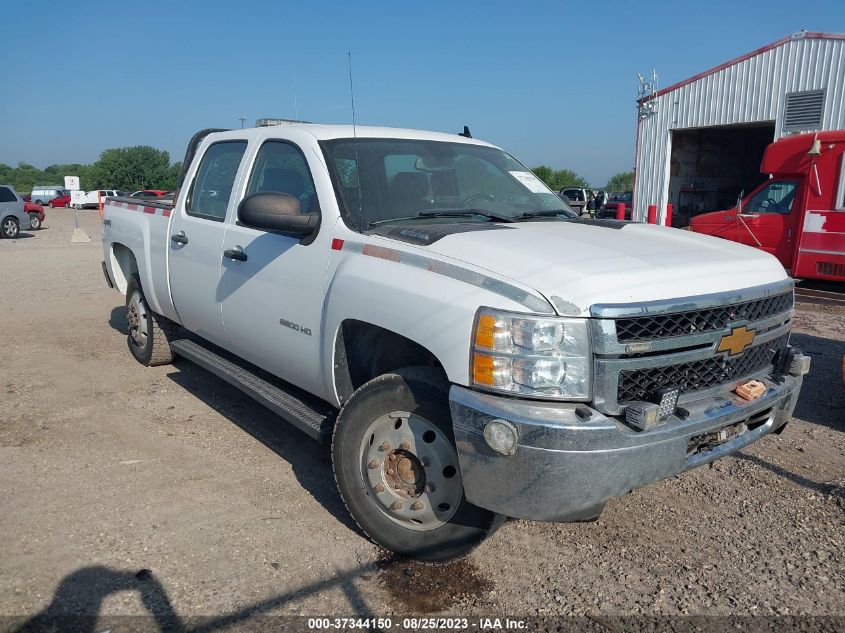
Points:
(6, 195)
(212, 186)
(776, 197)
(281, 167)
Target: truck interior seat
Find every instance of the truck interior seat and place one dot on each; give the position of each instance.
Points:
(408, 191)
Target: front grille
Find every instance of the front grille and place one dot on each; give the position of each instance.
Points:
(638, 384)
(695, 321)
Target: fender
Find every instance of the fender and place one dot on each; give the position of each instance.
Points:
(426, 298)
(136, 233)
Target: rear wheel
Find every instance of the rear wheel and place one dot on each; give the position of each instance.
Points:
(34, 221)
(150, 334)
(397, 469)
(10, 228)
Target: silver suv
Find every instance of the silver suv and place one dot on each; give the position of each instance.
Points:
(12, 215)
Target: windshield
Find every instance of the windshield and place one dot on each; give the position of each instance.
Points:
(393, 180)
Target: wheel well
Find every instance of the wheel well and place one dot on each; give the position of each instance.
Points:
(124, 266)
(364, 351)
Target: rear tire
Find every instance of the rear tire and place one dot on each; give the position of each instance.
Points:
(10, 228)
(34, 222)
(150, 334)
(394, 459)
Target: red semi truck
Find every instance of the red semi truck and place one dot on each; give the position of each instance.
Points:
(798, 215)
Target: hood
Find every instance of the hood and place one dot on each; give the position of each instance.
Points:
(579, 264)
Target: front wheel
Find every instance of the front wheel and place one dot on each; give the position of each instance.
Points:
(150, 334)
(78, 207)
(34, 222)
(397, 469)
(10, 228)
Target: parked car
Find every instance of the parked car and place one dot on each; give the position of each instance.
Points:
(578, 198)
(91, 199)
(12, 215)
(149, 193)
(26, 197)
(42, 194)
(60, 201)
(36, 215)
(468, 356)
(612, 206)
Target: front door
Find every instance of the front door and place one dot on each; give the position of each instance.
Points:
(768, 219)
(195, 241)
(272, 294)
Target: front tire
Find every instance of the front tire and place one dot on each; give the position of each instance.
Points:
(10, 228)
(150, 334)
(395, 463)
(34, 222)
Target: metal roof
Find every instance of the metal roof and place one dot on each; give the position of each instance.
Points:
(806, 35)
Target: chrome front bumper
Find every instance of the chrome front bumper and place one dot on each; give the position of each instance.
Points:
(567, 466)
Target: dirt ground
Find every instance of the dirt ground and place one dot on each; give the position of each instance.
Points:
(127, 490)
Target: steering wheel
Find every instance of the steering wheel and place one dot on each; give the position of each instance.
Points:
(771, 203)
(477, 196)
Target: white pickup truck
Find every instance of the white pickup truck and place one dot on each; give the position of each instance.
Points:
(471, 350)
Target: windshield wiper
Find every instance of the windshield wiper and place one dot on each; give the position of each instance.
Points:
(448, 213)
(546, 214)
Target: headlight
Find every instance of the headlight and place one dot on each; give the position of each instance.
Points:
(533, 356)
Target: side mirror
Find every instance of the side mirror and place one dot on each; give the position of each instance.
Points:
(278, 213)
(739, 201)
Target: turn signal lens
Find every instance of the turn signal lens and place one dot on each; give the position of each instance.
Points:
(491, 371)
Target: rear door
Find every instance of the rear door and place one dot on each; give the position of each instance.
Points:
(195, 241)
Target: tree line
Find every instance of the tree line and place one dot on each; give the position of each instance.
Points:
(126, 168)
(558, 179)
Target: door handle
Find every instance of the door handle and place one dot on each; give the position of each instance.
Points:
(235, 253)
(179, 238)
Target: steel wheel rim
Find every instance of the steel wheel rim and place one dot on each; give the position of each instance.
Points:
(136, 318)
(9, 228)
(410, 471)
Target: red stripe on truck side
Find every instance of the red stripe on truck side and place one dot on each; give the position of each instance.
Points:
(150, 210)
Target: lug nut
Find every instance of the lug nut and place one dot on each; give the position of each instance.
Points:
(379, 487)
(411, 491)
(373, 464)
(397, 487)
(396, 505)
(425, 461)
(416, 505)
(405, 445)
(391, 457)
(391, 471)
(429, 487)
(385, 446)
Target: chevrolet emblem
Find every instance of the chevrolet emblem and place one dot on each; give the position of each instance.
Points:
(735, 342)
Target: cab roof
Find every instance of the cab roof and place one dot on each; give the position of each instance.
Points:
(323, 132)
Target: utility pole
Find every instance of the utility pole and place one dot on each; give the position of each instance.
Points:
(242, 119)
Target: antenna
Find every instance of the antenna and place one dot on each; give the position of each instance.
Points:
(295, 108)
(355, 145)
(351, 94)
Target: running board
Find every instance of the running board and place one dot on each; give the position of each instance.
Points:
(310, 415)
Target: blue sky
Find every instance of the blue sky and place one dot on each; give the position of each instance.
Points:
(553, 82)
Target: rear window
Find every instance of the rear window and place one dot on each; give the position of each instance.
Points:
(6, 195)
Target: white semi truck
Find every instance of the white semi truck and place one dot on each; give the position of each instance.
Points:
(470, 348)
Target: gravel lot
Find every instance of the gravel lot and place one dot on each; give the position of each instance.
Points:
(110, 468)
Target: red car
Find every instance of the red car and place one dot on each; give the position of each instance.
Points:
(60, 201)
(149, 193)
(36, 215)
